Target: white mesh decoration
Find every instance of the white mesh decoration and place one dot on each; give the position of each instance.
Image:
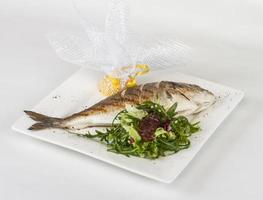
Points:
(115, 47)
(166, 53)
(116, 24)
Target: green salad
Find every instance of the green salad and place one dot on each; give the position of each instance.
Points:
(147, 130)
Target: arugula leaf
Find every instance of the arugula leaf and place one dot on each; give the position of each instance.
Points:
(171, 111)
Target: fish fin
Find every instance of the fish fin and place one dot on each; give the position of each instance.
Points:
(43, 121)
(38, 126)
(37, 116)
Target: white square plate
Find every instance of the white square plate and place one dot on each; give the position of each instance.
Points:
(80, 92)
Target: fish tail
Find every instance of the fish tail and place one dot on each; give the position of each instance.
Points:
(43, 121)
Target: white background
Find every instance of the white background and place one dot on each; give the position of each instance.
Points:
(227, 38)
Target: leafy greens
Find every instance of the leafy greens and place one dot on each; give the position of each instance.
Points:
(147, 130)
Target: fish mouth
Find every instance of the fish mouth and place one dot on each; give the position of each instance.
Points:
(209, 103)
(203, 106)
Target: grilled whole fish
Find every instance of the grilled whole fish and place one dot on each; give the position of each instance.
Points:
(191, 100)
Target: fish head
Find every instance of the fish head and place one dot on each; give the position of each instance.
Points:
(202, 98)
(191, 98)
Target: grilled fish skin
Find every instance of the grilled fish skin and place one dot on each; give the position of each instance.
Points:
(191, 99)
